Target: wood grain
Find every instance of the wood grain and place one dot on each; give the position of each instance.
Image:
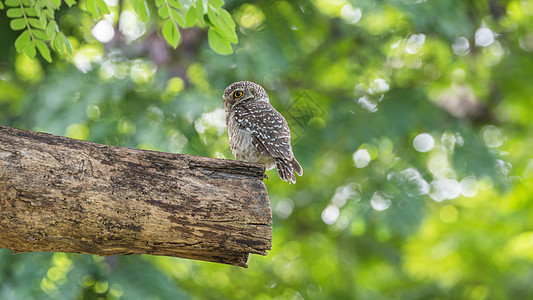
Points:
(64, 195)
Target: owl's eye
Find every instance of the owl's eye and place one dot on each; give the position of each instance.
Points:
(237, 94)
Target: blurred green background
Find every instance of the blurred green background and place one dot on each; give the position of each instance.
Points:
(412, 121)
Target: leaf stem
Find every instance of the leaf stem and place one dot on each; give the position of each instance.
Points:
(26, 20)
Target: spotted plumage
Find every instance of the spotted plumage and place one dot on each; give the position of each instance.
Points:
(257, 131)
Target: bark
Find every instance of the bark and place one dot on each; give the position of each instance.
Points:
(64, 195)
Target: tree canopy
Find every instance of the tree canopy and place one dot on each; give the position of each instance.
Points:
(411, 119)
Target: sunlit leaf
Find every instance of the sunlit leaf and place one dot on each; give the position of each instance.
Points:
(43, 49)
(174, 3)
(29, 50)
(61, 44)
(31, 12)
(218, 43)
(17, 24)
(176, 16)
(12, 3)
(48, 12)
(43, 21)
(92, 8)
(14, 13)
(171, 33)
(56, 3)
(102, 6)
(163, 12)
(227, 25)
(41, 35)
(51, 28)
(66, 43)
(222, 21)
(216, 3)
(36, 23)
(199, 7)
(22, 41)
(213, 18)
(143, 11)
(46, 3)
(70, 3)
(190, 17)
(38, 9)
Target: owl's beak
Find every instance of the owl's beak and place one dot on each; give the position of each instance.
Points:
(227, 105)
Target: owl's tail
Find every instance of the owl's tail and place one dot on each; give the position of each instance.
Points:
(286, 169)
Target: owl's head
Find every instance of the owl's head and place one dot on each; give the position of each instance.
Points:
(241, 91)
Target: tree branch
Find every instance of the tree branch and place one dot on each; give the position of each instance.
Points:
(65, 195)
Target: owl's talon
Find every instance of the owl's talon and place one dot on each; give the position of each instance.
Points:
(265, 176)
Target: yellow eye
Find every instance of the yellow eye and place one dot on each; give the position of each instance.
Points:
(237, 94)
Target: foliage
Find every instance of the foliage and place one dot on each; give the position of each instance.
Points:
(40, 30)
(411, 120)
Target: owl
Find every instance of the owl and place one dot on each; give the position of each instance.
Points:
(257, 131)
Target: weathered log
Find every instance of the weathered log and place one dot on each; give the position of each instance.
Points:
(64, 195)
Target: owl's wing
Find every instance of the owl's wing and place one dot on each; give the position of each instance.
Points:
(270, 132)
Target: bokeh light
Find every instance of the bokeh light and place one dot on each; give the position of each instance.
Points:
(361, 158)
(103, 31)
(423, 142)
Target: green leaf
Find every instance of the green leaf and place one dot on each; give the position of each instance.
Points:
(222, 21)
(14, 13)
(216, 3)
(143, 11)
(226, 18)
(56, 44)
(22, 41)
(61, 44)
(92, 8)
(1, 5)
(176, 16)
(41, 35)
(163, 12)
(218, 43)
(43, 49)
(102, 6)
(45, 3)
(36, 23)
(171, 33)
(159, 3)
(43, 21)
(199, 7)
(38, 9)
(30, 11)
(51, 28)
(51, 4)
(17, 24)
(213, 19)
(70, 2)
(190, 17)
(12, 3)
(49, 12)
(227, 25)
(66, 43)
(174, 3)
(29, 50)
